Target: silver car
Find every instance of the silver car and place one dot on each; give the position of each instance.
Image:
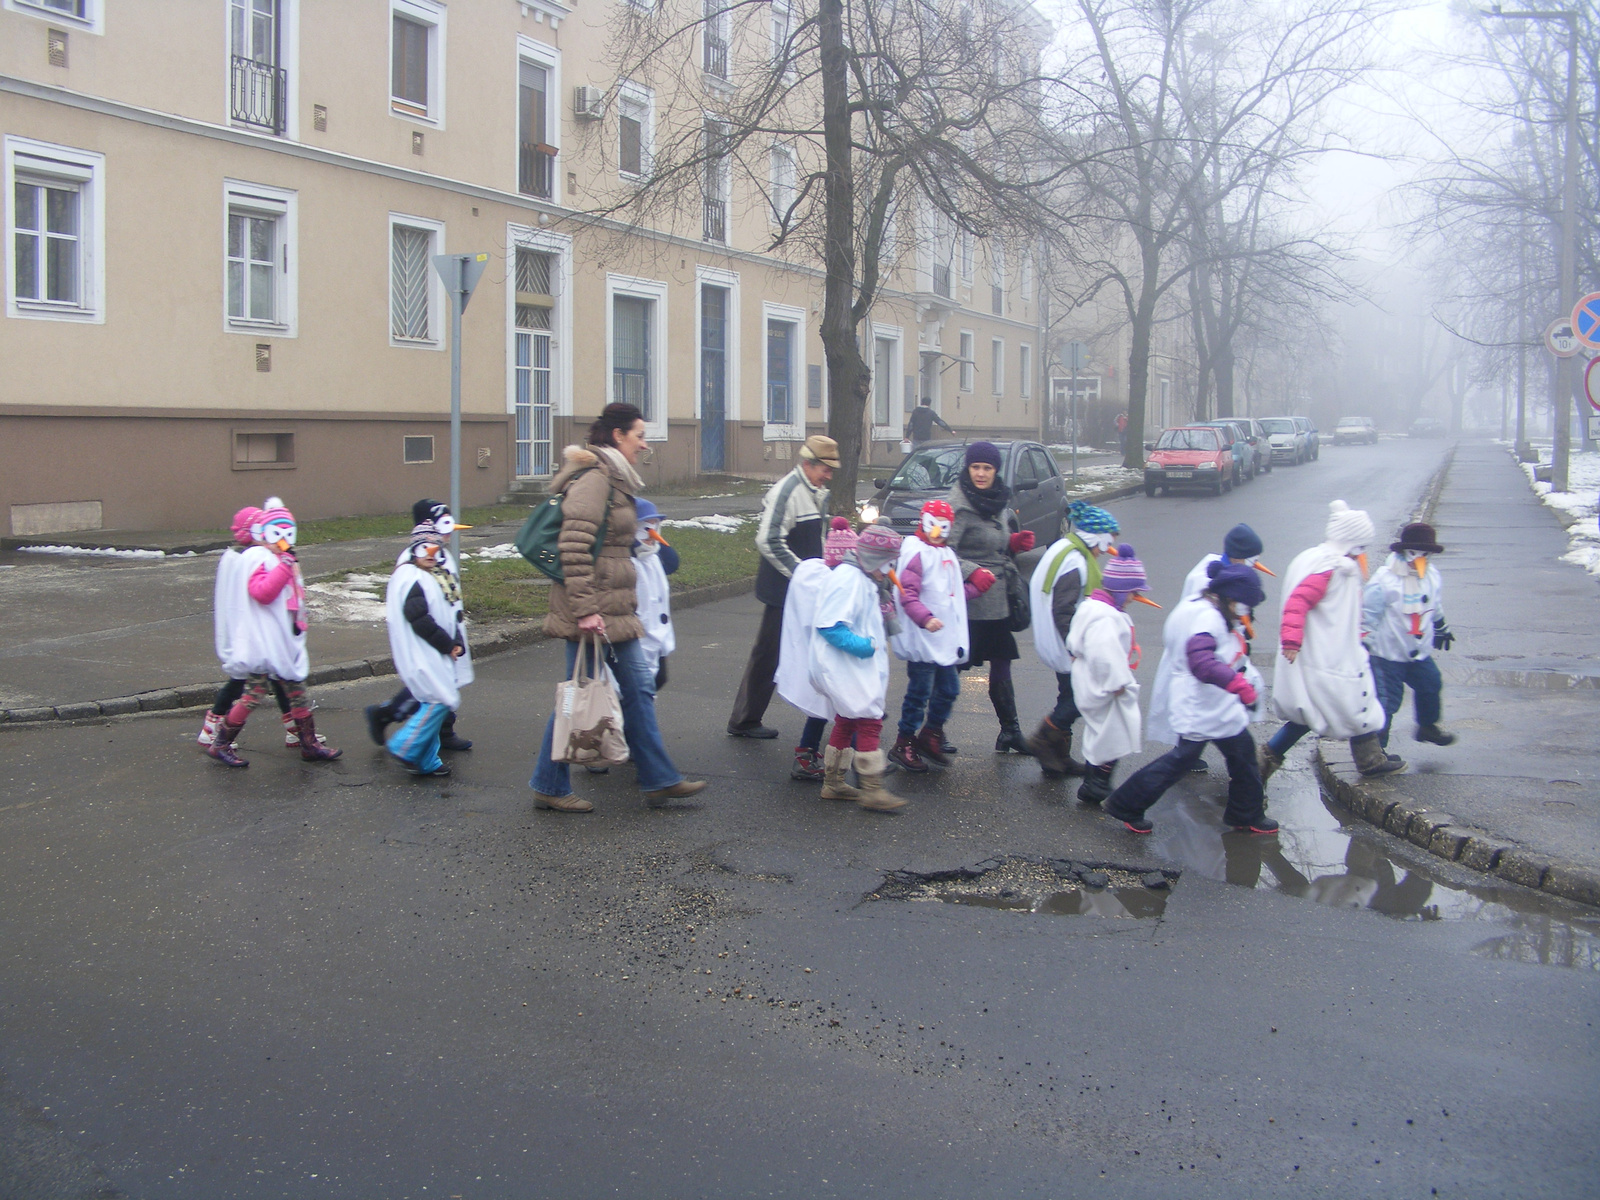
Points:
(1287, 438)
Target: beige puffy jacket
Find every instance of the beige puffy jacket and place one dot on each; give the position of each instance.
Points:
(603, 584)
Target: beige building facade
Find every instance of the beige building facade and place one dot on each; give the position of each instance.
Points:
(220, 216)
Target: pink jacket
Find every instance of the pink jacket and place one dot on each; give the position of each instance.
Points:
(1306, 596)
(265, 584)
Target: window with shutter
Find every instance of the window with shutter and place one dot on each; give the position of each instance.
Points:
(410, 283)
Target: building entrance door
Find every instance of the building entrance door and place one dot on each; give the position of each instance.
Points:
(713, 378)
(535, 308)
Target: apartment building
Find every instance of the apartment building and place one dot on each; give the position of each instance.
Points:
(220, 216)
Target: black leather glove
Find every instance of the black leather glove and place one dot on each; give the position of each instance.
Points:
(1442, 637)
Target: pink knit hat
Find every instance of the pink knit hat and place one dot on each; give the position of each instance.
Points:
(841, 540)
(242, 521)
(276, 517)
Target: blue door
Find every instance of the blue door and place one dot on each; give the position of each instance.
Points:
(713, 377)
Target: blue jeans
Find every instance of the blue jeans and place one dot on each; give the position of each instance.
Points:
(636, 684)
(811, 734)
(1283, 741)
(416, 743)
(1421, 675)
(1146, 785)
(932, 688)
(1066, 710)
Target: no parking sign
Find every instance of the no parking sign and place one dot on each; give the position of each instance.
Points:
(1586, 320)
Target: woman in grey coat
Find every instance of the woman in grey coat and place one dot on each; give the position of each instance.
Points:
(986, 538)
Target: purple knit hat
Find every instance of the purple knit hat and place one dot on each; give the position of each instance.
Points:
(984, 452)
(1123, 572)
(841, 540)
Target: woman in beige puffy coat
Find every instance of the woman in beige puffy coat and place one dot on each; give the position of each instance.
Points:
(599, 483)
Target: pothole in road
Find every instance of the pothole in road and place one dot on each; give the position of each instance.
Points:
(1054, 887)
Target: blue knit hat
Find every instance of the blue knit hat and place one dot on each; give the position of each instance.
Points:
(1088, 518)
(1123, 572)
(1241, 543)
(645, 511)
(1235, 581)
(983, 452)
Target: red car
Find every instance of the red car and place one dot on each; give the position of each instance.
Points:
(1190, 456)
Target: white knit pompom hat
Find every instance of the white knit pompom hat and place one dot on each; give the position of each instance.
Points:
(1348, 527)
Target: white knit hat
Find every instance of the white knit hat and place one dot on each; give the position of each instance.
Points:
(1348, 527)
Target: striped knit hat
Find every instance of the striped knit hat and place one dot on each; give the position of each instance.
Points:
(242, 521)
(841, 540)
(274, 521)
(876, 547)
(1123, 572)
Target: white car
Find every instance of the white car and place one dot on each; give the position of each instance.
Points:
(1289, 442)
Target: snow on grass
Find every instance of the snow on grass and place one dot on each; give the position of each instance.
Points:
(716, 523)
(358, 597)
(103, 552)
(1576, 507)
(491, 553)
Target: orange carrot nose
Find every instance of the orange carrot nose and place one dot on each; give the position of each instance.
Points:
(895, 579)
(1361, 560)
(1145, 600)
(655, 536)
(1249, 626)
(460, 526)
(1264, 570)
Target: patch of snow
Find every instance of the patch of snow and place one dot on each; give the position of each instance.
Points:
(103, 552)
(716, 522)
(491, 553)
(1578, 507)
(356, 598)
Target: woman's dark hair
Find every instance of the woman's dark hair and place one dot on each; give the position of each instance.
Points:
(612, 418)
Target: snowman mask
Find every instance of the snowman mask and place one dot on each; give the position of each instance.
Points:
(935, 528)
(279, 532)
(1097, 541)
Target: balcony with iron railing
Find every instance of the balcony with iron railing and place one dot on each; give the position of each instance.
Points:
(715, 59)
(715, 228)
(535, 169)
(258, 94)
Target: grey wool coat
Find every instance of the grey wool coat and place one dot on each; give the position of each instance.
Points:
(981, 541)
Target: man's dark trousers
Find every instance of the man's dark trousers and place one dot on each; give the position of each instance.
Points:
(756, 688)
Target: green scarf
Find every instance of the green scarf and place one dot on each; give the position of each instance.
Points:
(1092, 568)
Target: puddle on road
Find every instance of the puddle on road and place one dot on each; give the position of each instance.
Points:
(1059, 888)
(1317, 858)
(1077, 902)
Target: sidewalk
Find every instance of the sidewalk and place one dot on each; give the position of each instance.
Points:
(1519, 794)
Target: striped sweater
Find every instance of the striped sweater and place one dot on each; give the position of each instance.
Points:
(794, 517)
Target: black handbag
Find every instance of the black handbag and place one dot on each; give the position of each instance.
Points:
(1019, 612)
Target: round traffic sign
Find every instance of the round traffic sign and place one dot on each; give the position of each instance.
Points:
(1586, 320)
(1560, 339)
(1591, 383)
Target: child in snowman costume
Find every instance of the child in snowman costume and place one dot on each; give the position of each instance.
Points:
(428, 517)
(1210, 699)
(1323, 680)
(932, 599)
(267, 636)
(1403, 622)
(427, 637)
(1104, 657)
(653, 560)
(1068, 572)
(850, 667)
(793, 676)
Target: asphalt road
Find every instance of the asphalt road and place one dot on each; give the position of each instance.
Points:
(337, 981)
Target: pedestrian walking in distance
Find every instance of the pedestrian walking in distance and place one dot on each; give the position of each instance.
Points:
(1068, 572)
(1403, 618)
(1322, 680)
(1210, 699)
(987, 538)
(919, 428)
(600, 598)
(850, 666)
(793, 521)
(793, 679)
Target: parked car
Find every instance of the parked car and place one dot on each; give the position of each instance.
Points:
(1313, 438)
(1244, 454)
(1260, 443)
(1427, 427)
(1198, 456)
(1287, 439)
(1355, 429)
(1038, 493)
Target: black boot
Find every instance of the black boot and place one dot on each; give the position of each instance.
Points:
(379, 718)
(1096, 784)
(1004, 698)
(449, 739)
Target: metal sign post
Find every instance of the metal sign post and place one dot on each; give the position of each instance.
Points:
(460, 273)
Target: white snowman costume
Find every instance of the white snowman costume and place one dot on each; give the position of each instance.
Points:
(228, 600)
(653, 597)
(1185, 707)
(854, 687)
(1100, 643)
(793, 677)
(1064, 557)
(263, 639)
(433, 678)
(943, 593)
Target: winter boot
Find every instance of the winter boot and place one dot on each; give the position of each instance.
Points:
(873, 796)
(1053, 748)
(1436, 735)
(449, 739)
(1096, 784)
(208, 729)
(1004, 698)
(1370, 758)
(836, 761)
(1267, 762)
(807, 765)
(313, 748)
(221, 747)
(291, 733)
(930, 746)
(947, 745)
(904, 755)
(379, 718)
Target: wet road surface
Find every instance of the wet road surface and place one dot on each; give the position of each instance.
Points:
(304, 980)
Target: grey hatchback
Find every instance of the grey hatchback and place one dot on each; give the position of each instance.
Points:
(1038, 493)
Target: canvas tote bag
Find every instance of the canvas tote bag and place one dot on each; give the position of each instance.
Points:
(588, 713)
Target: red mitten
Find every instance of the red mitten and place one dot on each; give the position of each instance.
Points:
(1240, 687)
(982, 579)
(1021, 541)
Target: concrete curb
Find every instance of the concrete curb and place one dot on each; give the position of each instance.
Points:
(198, 695)
(1429, 501)
(1382, 802)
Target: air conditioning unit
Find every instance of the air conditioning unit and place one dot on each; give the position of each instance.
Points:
(588, 103)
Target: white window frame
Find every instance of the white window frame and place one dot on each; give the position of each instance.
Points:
(717, 277)
(437, 299)
(92, 21)
(967, 354)
(655, 427)
(288, 45)
(642, 100)
(896, 427)
(1025, 370)
(719, 22)
(997, 365)
(559, 247)
(785, 154)
(540, 54)
(795, 431)
(784, 11)
(85, 170)
(965, 252)
(432, 14)
(284, 204)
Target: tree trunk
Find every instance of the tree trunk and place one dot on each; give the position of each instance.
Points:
(1143, 326)
(1222, 366)
(848, 378)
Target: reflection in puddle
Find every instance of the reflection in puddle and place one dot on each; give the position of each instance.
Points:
(1316, 858)
(1075, 902)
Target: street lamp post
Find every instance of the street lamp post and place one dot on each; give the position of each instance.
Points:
(1565, 367)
